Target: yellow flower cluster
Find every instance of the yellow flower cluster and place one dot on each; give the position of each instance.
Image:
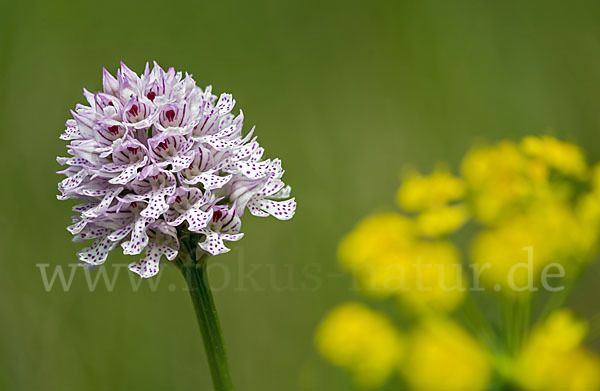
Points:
(534, 207)
(441, 220)
(425, 192)
(526, 195)
(388, 258)
(431, 197)
(559, 155)
(500, 179)
(362, 341)
(436, 355)
(554, 360)
(504, 179)
(548, 232)
(444, 357)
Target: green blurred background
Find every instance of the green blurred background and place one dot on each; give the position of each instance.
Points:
(346, 93)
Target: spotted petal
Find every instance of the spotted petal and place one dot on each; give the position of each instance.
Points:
(149, 265)
(98, 252)
(139, 238)
(282, 210)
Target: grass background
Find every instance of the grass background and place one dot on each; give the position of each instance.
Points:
(346, 93)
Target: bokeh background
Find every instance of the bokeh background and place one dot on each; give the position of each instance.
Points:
(346, 93)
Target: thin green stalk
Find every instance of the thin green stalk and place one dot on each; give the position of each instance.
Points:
(507, 322)
(469, 323)
(515, 314)
(526, 321)
(557, 299)
(594, 332)
(480, 321)
(195, 273)
(521, 309)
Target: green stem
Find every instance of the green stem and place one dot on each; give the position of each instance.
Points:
(478, 321)
(558, 299)
(516, 313)
(195, 273)
(525, 319)
(507, 329)
(511, 315)
(594, 332)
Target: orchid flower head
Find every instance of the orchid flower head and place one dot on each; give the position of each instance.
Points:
(153, 155)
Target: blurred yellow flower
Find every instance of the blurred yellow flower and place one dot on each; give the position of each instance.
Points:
(362, 341)
(553, 359)
(499, 179)
(443, 357)
(434, 278)
(441, 220)
(375, 236)
(519, 248)
(373, 251)
(562, 156)
(420, 193)
(388, 258)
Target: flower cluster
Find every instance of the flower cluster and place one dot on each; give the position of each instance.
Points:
(436, 354)
(553, 357)
(154, 155)
(538, 195)
(361, 340)
(522, 207)
(436, 199)
(389, 258)
(444, 356)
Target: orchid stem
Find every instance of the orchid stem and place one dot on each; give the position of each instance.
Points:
(197, 279)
